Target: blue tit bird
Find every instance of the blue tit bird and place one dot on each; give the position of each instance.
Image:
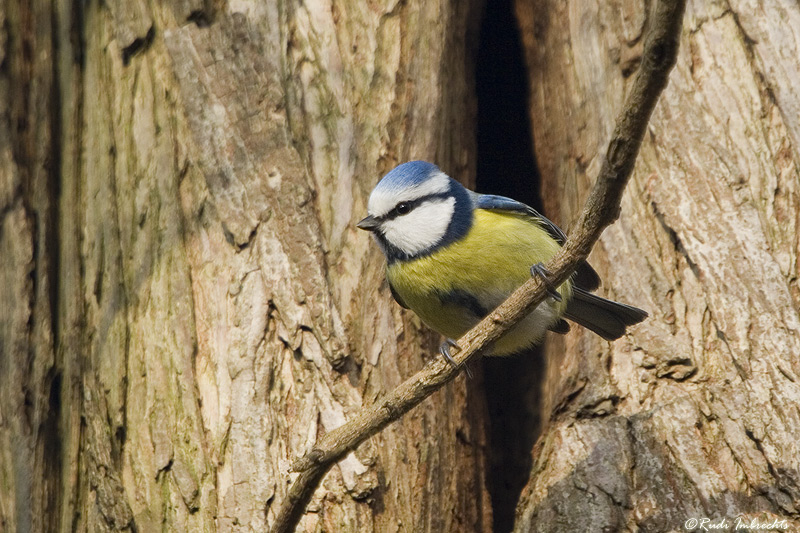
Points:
(454, 255)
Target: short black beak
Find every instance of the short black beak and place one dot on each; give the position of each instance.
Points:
(369, 223)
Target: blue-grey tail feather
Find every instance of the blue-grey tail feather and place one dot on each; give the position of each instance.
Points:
(606, 318)
(586, 277)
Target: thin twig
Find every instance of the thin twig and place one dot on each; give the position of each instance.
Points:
(602, 209)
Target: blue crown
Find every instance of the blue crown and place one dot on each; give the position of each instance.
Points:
(407, 174)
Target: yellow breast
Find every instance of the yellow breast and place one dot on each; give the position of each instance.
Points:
(489, 263)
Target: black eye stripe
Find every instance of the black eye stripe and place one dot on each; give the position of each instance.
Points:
(403, 208)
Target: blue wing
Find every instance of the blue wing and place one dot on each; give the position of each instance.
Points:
(585, 275)
(493, 202)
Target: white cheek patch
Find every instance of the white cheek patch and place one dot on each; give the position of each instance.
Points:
(422, 228)
(382, 201)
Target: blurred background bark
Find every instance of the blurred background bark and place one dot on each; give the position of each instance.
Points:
(185, 303)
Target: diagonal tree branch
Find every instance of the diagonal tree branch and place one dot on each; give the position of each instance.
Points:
(602, 209)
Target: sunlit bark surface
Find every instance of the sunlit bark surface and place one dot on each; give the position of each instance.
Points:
(186, 303)
(694, 413)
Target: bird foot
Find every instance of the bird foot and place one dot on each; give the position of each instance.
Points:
(444, 349)
(538, 270)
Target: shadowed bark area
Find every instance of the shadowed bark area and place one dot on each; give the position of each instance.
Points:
(506, 166)
(693, 413)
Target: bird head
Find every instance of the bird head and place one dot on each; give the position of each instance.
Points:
(415, 209)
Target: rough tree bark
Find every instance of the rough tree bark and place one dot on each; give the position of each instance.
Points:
(186, 304)
(694, 414)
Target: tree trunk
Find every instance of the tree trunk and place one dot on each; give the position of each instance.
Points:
(186, 305)
(694, 414)
(189, 302)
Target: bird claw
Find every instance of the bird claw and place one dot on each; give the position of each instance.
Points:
(444, 349)
(538, 270)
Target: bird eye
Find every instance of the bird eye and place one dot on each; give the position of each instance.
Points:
(402, 208)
